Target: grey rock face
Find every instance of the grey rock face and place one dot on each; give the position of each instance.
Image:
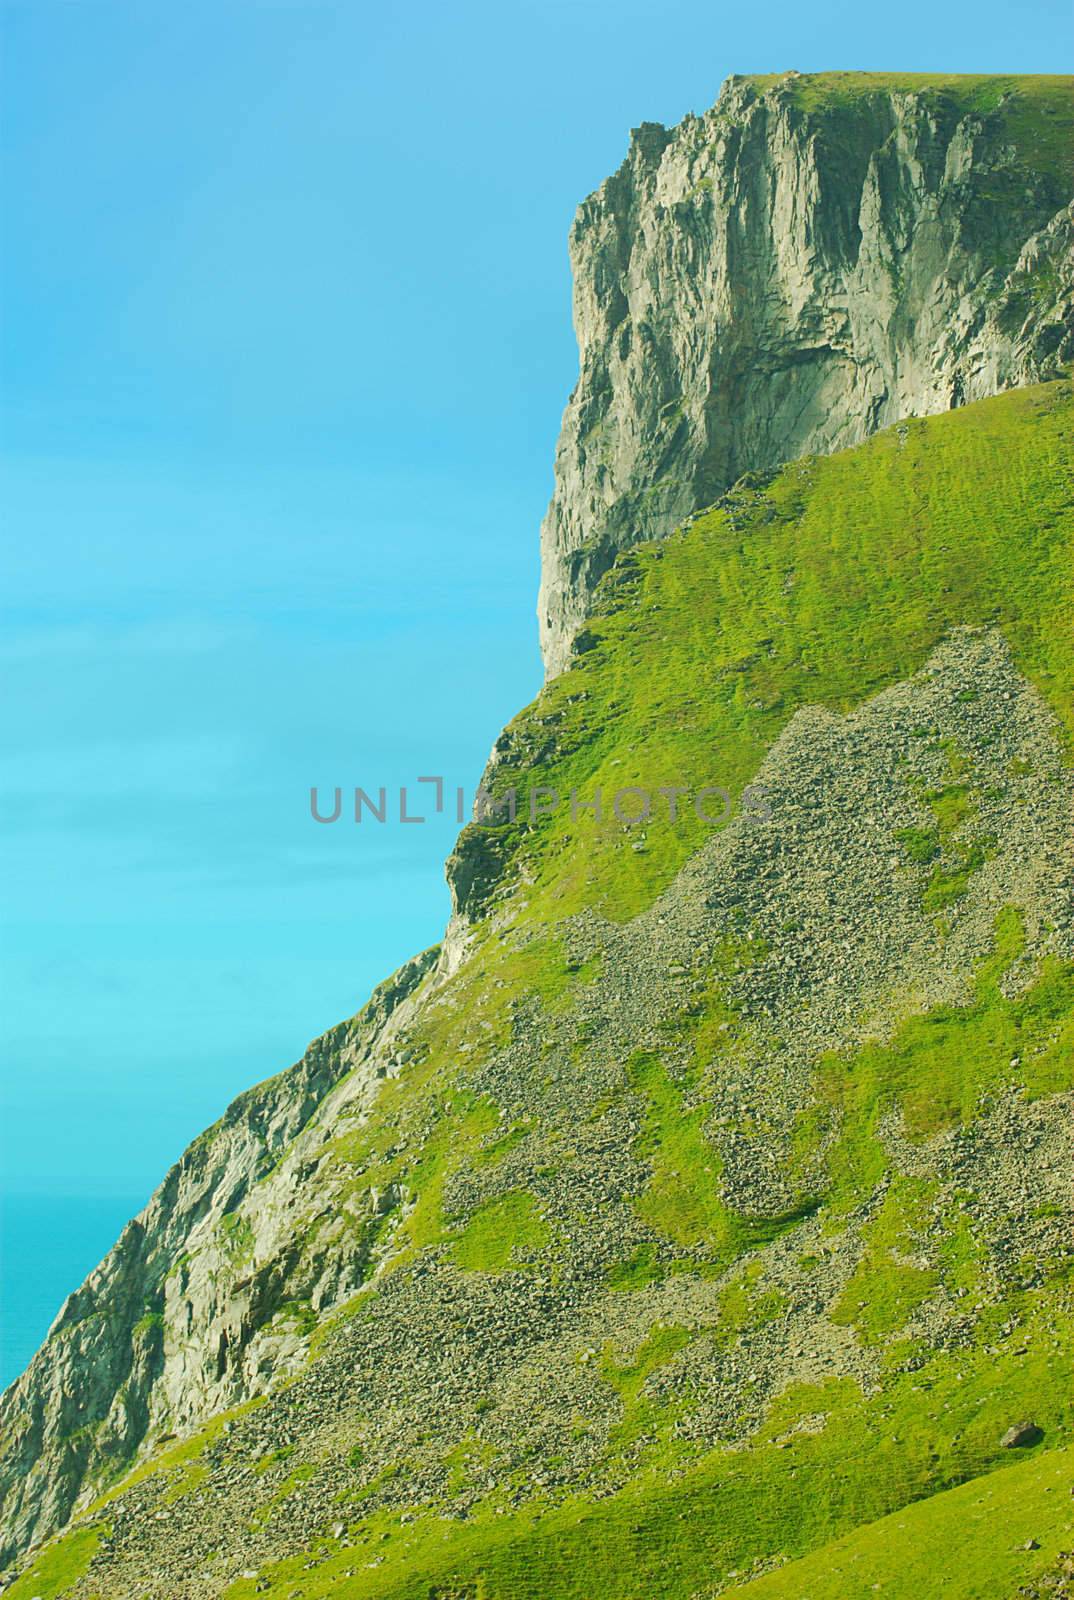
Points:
(769, 281)
(188, 1313)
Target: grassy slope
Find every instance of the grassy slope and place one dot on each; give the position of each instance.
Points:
(831, 584)
(705, 644)
(990, 1522)
(834, 581)
(790, 1492)
(58, 1567)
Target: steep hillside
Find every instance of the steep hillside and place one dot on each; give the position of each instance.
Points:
(698, 1218)
(813, 259)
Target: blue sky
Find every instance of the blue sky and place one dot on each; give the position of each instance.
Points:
(286, 339)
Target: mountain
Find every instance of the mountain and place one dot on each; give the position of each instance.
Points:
(811, 260)
(695, 1219)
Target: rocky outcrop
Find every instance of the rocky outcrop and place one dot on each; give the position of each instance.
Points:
(200, 1301)
(784, 275)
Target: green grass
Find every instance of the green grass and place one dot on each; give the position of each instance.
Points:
(489, 1154)
(1035, 111)
(659, 1346)
(948, 883)
(272, 1503)
(454, 1126)
(937, 1071)
(181, 1462)
(58, 1567)
(638, 1271)
(975, 1536)
(881, 1295)
(940, 1067)
(682, 1199)
(834, 582)
(506, 1232)
(827, 1464)
(922, 845)
(237, 1236)
(299, 1315)
(746, 1303)
(953, 859)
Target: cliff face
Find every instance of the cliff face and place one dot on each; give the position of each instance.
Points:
(813, 259)
(189, 1313)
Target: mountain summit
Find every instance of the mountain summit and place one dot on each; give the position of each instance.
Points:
(695, 1219)
(811, 260)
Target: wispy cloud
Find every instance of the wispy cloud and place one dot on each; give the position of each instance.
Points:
(165, 636)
